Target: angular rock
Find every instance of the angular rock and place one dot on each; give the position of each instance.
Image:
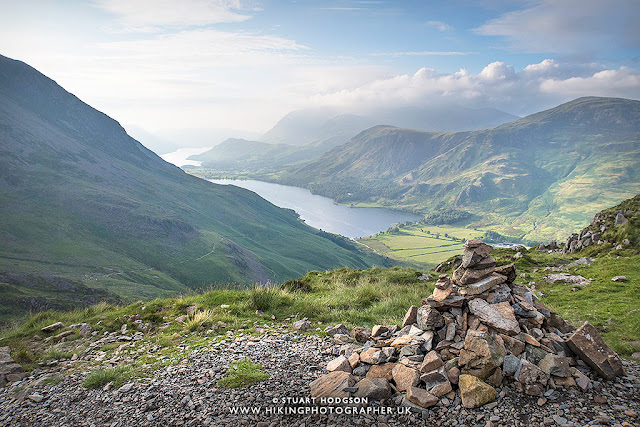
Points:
(431, 362)
(509, 271)
(452, 301)
(421, 397)
(498, 316)
(384, 370)
(405, 377)
(587, 343)
(337, 329)
(406, 340)
(535, 354)
(512, 345)
(481, 354)
(441, 294)
(373, 388)
(620, 219)
(443, 282)
(429, 318)
(474, 392)
(340, 363)
(373, 356)
(410, 350)
(437, 382)
(482, 285)
(332, 385)
(301, 325)
(410, 317)
(510, 365)
(555, 365)
(495, 379)
(361, 334)
(53, 327)
(378, 330)
(466, 276)
(354, 360)
(532, 378)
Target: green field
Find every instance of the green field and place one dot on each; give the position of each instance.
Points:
(422, 244)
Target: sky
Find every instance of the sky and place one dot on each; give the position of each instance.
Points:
(166, 66)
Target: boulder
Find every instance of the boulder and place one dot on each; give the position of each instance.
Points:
(373, 356)
(354, 360)
(619, 279)
(405, 377)
(481, 354)
(301, 325)
(332, 385)
(337, 329)
(498, 316)
(421, 397)
(373, 388)
(431, 362)
(428, 318)
(587, 343)
(384, 370)
(340, 363)
(474, 392)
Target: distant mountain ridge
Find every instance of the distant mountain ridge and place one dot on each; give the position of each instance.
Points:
(534, 176)
(302, 127)
(80, 199)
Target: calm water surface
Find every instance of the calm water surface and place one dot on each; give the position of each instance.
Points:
(321, 212)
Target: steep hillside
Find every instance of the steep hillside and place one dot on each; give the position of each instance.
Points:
(240, 154)
(531, 178)
(82, 200)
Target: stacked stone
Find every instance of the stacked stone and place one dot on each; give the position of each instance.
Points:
(471, 336)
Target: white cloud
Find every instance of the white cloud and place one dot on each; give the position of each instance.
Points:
(570, 26)
(536, 87)
(145, 13)
(439, 25)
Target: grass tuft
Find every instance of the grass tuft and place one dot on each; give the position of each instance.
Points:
(101, 377)
(242, 373)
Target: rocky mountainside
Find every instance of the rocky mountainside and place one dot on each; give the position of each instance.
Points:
(614, 229)
(531, 178)
(82, 201)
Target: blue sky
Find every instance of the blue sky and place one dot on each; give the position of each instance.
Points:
(167, 65)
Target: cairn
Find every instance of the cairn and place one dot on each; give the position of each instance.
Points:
(476, 332)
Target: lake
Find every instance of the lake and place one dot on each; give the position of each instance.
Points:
(179, 157)
(323, 213)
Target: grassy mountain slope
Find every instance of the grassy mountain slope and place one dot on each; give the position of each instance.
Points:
(531, 178)
(240, 154)
(81, 199)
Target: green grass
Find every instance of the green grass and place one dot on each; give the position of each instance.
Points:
(101, 377)
(427, 244)
(243, 373)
